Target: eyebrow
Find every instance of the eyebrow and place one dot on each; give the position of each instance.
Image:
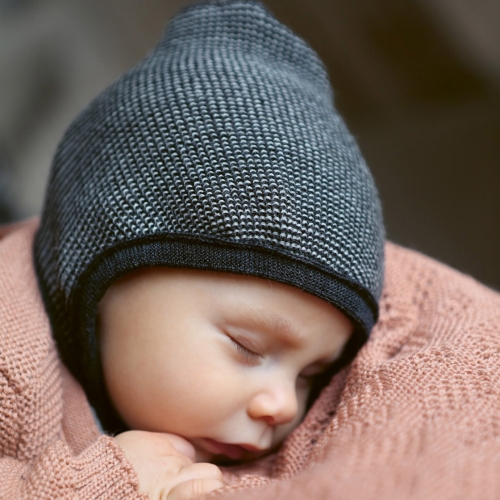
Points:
(279, 326)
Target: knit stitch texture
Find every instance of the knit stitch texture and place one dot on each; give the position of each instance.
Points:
(222, 151)
(50, 447)
(415, 417)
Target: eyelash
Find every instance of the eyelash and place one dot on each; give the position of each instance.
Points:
(250, 356)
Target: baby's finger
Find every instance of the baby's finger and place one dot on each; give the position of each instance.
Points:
(182, 446)
(202, 470)
(194, 488)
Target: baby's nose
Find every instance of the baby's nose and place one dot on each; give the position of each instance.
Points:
(275, 404)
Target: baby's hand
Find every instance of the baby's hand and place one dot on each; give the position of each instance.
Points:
(165, 466)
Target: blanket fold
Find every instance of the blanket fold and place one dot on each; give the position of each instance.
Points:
(416, 416)
(417, 413)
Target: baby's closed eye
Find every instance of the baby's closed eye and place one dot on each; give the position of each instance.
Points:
(246, 352)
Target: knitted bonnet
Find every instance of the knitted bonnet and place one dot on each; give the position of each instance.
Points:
(222, 150)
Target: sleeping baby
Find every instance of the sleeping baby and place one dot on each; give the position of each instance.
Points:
(210, 250)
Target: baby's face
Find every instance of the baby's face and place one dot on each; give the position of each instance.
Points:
(224, 361)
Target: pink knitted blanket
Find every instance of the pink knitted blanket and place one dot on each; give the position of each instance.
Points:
(416, 416)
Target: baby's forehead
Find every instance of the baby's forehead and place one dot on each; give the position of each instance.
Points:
(254, 297)
(278, 310)
(256, 309)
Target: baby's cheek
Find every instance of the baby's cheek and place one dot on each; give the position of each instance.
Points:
(303, 390)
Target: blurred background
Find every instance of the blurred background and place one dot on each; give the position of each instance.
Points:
(418, 82)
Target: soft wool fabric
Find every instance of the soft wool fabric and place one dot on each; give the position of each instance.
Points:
(222, 151)
(49, 444)
(416, 416)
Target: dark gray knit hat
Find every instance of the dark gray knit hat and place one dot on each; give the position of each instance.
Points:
(222, 150)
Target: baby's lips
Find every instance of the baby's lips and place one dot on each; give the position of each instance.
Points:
(232, 451)
(251, 447)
